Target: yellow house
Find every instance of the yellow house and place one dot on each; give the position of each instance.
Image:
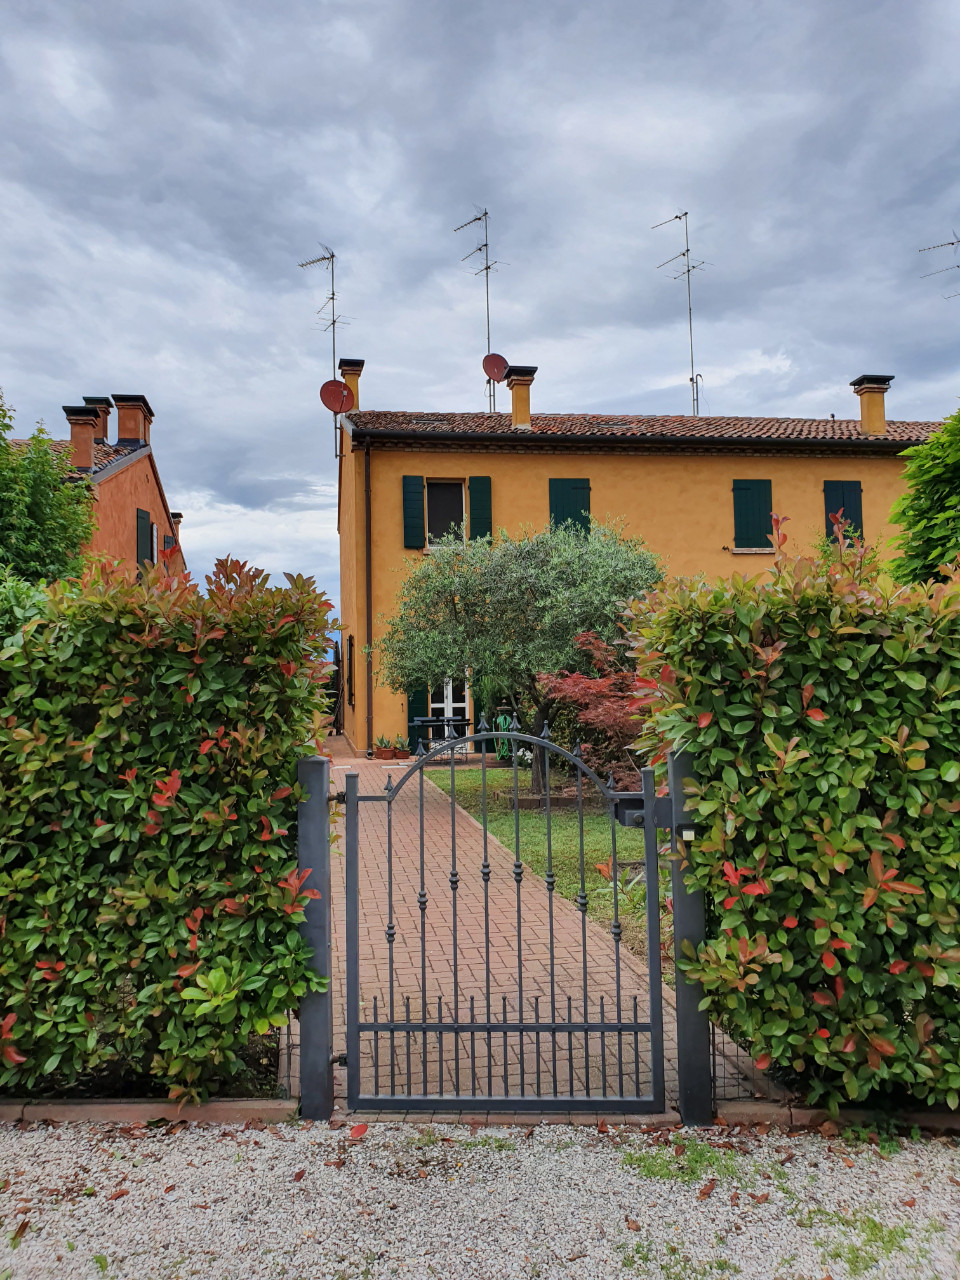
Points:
(699, 491)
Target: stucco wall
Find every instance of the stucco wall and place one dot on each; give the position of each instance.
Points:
(682, 506)
(117, 499)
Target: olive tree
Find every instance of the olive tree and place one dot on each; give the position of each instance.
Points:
(508, 610)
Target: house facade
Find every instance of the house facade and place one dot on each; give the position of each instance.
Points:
(699, 491)
(134, 524)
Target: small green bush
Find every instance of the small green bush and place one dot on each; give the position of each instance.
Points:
(929, 510)
(149, 894)
(822, 707)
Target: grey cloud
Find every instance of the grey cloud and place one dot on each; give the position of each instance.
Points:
(163, 169)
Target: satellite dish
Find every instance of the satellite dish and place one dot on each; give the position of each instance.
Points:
(337, 396)
(495, 366)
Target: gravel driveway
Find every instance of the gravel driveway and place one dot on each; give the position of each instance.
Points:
(420, 1201)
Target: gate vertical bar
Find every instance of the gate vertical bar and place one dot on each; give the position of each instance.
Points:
(689, 927)
(651, 856)
(316, 1007)
(352, 869)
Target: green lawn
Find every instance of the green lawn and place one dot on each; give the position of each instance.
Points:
(565, 843)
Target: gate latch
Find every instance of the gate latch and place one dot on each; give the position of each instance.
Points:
(629, 811)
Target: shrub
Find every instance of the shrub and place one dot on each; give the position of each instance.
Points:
(929, 510)
(45, 517)
(822, 707)
(149, 895)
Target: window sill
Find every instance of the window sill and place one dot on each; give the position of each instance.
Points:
(751, 551)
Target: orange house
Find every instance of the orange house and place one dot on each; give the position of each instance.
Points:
(699, 491)
(134, 524)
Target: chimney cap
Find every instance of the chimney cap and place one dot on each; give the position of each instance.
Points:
(346, 365)
(882, 380)
(99, 402)
(176, 515)
(142, 401)
(520, 371)
(80, 411)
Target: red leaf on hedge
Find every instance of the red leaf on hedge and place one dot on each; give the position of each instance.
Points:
(703, 719)
(829, 960)
(790, 922)
(806, 694)
(814, 713)
(128, 775)
(823, 997)
(288, 668)
(838, 987)
(849, 1044)
(206, 745)
(6, 1025)
(281, 793)
(898, 966)
(904, 886)
(898, 841)
(731, 874)
(924, 967)
(730, 902)
(884, 1046)
(756, 890)
(838, 944)
(188, 970)
(823, 1033)
(763, 1061)
(12, 1055)
(266, 833)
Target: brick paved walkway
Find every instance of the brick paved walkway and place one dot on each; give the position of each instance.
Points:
(456, 981)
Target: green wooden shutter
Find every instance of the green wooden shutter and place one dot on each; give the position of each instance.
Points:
(144, 538)
(752, 508)
(418, 704)
(845, 494)
(570, 502)
(414, 527)
(481, 506)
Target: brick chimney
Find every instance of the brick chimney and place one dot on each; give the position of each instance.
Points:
(84, 422)
(176, 517)
(518, 378)
(103, 405)
(134, 416)
(350, 371)
(871, 388)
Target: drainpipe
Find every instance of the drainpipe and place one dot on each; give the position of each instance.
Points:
(368, 537)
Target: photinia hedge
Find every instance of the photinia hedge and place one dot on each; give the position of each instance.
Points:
(149, 893)
(821, 703)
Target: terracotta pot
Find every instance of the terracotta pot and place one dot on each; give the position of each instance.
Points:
(383, 753)
(400, 755)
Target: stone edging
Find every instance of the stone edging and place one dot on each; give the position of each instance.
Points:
(796, 1117)
(143, 1110)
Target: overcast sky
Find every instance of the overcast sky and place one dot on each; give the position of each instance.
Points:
(165, 167)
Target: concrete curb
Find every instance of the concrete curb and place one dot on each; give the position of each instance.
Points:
(796, 1117)
(143, 1110)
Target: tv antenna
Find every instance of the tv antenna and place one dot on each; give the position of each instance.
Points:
(329, 259)
(688, 268)
(946, 244)
(483, 217)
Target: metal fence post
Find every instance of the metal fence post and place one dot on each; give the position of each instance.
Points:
(695, 1067)
(316, 1007)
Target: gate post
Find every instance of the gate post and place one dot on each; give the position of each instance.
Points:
(695, 1067)
(316, 1007)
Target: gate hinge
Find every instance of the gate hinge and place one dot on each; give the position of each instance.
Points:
(340, 1060)
(337, 797)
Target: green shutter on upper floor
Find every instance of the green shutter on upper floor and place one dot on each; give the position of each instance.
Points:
(144, 538)
(845, 496)
(481, 506)
(570, 502)
(752, 514)
(414, 524)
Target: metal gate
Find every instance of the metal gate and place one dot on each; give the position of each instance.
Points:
(475, 983)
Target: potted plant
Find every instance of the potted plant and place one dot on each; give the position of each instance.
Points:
(383, 750)
(401, 748)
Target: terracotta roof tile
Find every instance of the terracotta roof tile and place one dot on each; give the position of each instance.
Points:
(650, 427)
(103, 454)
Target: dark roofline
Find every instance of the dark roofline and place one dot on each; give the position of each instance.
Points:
(142, 401)
(632, 443)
